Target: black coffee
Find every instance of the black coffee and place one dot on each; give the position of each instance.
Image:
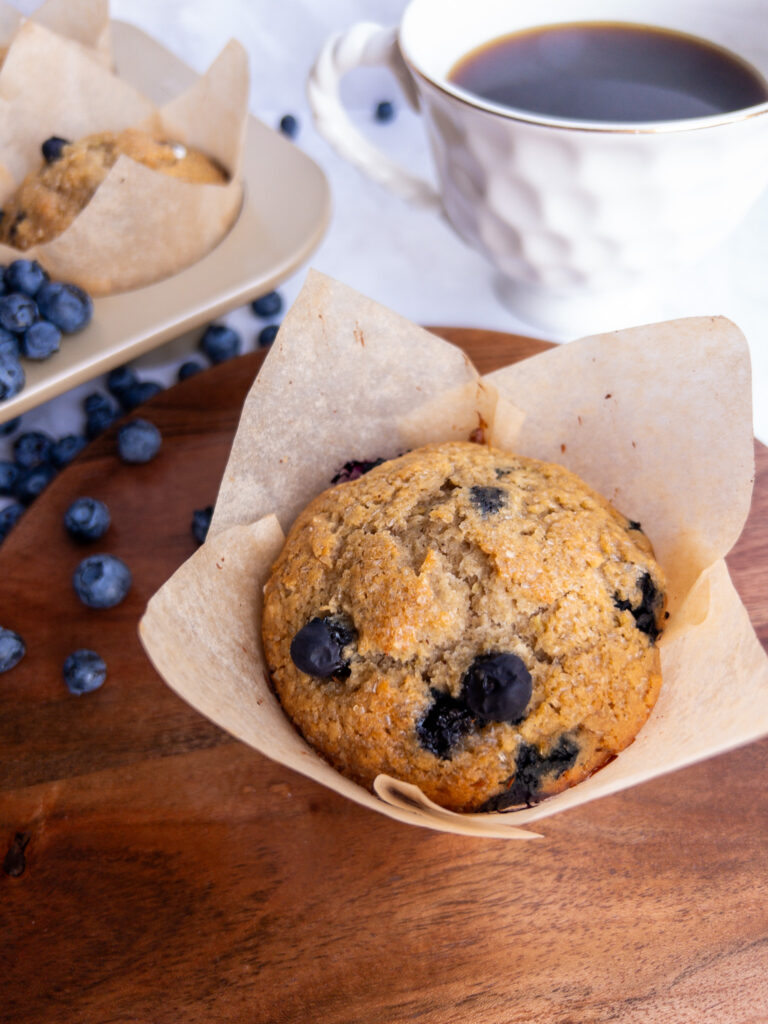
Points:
(610, 72)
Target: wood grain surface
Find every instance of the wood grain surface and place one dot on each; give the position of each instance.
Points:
(155, 870)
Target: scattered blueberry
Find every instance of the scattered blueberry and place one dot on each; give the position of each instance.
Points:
(645, 612)
(318, 648)
(488, 500)
(66, 448)
(9, 426)
(384, 111)
(9, 474)
(201, 520)
(355, 469)
(267, 335)
(12, 378)
(33, 481)
(531, 767)
(17, 312)
(52, 148)
(189, 369)
(102, 581)
(25, 276)
(9, 516)
(40, 340)
(138, 441)
(84, 671)
(139, 393)
(9, 343)
(289, 125)
(120, 379)
(12, 649)
(99, 414)
(497, 687)
(268, 305)
(32, 449)
(87, 519)
(446, 721)
(65, 305)
(220, 343)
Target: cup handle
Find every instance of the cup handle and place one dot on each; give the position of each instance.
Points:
(364, 45)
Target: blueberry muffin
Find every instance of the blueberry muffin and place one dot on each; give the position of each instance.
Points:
(477, 623)
(49, 199)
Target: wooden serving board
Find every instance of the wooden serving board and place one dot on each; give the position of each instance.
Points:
(156, 870)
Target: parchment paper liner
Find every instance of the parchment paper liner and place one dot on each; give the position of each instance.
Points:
(656, 417)
(141, 225)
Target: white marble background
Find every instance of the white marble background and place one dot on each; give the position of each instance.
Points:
(407, 259)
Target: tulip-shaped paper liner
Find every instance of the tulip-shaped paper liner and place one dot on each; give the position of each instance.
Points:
(656, 417)
(140, 225)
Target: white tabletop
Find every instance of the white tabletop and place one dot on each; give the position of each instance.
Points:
(406, 258)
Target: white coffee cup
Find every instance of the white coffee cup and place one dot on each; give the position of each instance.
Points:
(582, 219)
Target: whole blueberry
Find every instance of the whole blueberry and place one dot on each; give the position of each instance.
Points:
(84, 671)
(220, 343)
(32, 449)
(40, 340)
(87, 519)
(100, 413)
(201, 520)
(120, 379)
(139, 393)
(9, 343)
(497, 687)
(9, 474)
(384, 111)
(17, 312)
(189, 369)
(102, 581)
(52, 148)
(12, 649)
(268, 305)
(318, 647)
(33, 481)
(289, 125)
(9, 426)
(267, 335)
(66, 448)
(25, 276)
(138, 441)
(65, 305)
(12, 378)
(9, 516)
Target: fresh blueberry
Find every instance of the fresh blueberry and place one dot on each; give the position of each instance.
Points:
(354, 470)
(25, 276)
(65, 305)
(99, 414)
(87, 519)
(40, 340)
(268, 305)
(17, 312)
(12, 649)
(84, 671)
(267, 335)
(9, 516)
(384, 111)
(488, 500)
(66, 448)
(645, 612)
(289, 125)
(189, 369)
(318, 647)
(9, 343)
(120, 379)
(138, 441)
(32, 449)
(9, 426)
(531, 768)
(201, 520)
(102, 581)
(52, 148)
(12, 378)
(9, 474)
(220, 343)
(139, 393)
(497, 687)
(446, 721)
(33, 481)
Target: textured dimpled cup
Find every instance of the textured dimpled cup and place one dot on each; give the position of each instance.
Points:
(583, 220)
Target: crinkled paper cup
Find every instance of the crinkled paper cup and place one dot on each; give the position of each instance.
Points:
(656, 418)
